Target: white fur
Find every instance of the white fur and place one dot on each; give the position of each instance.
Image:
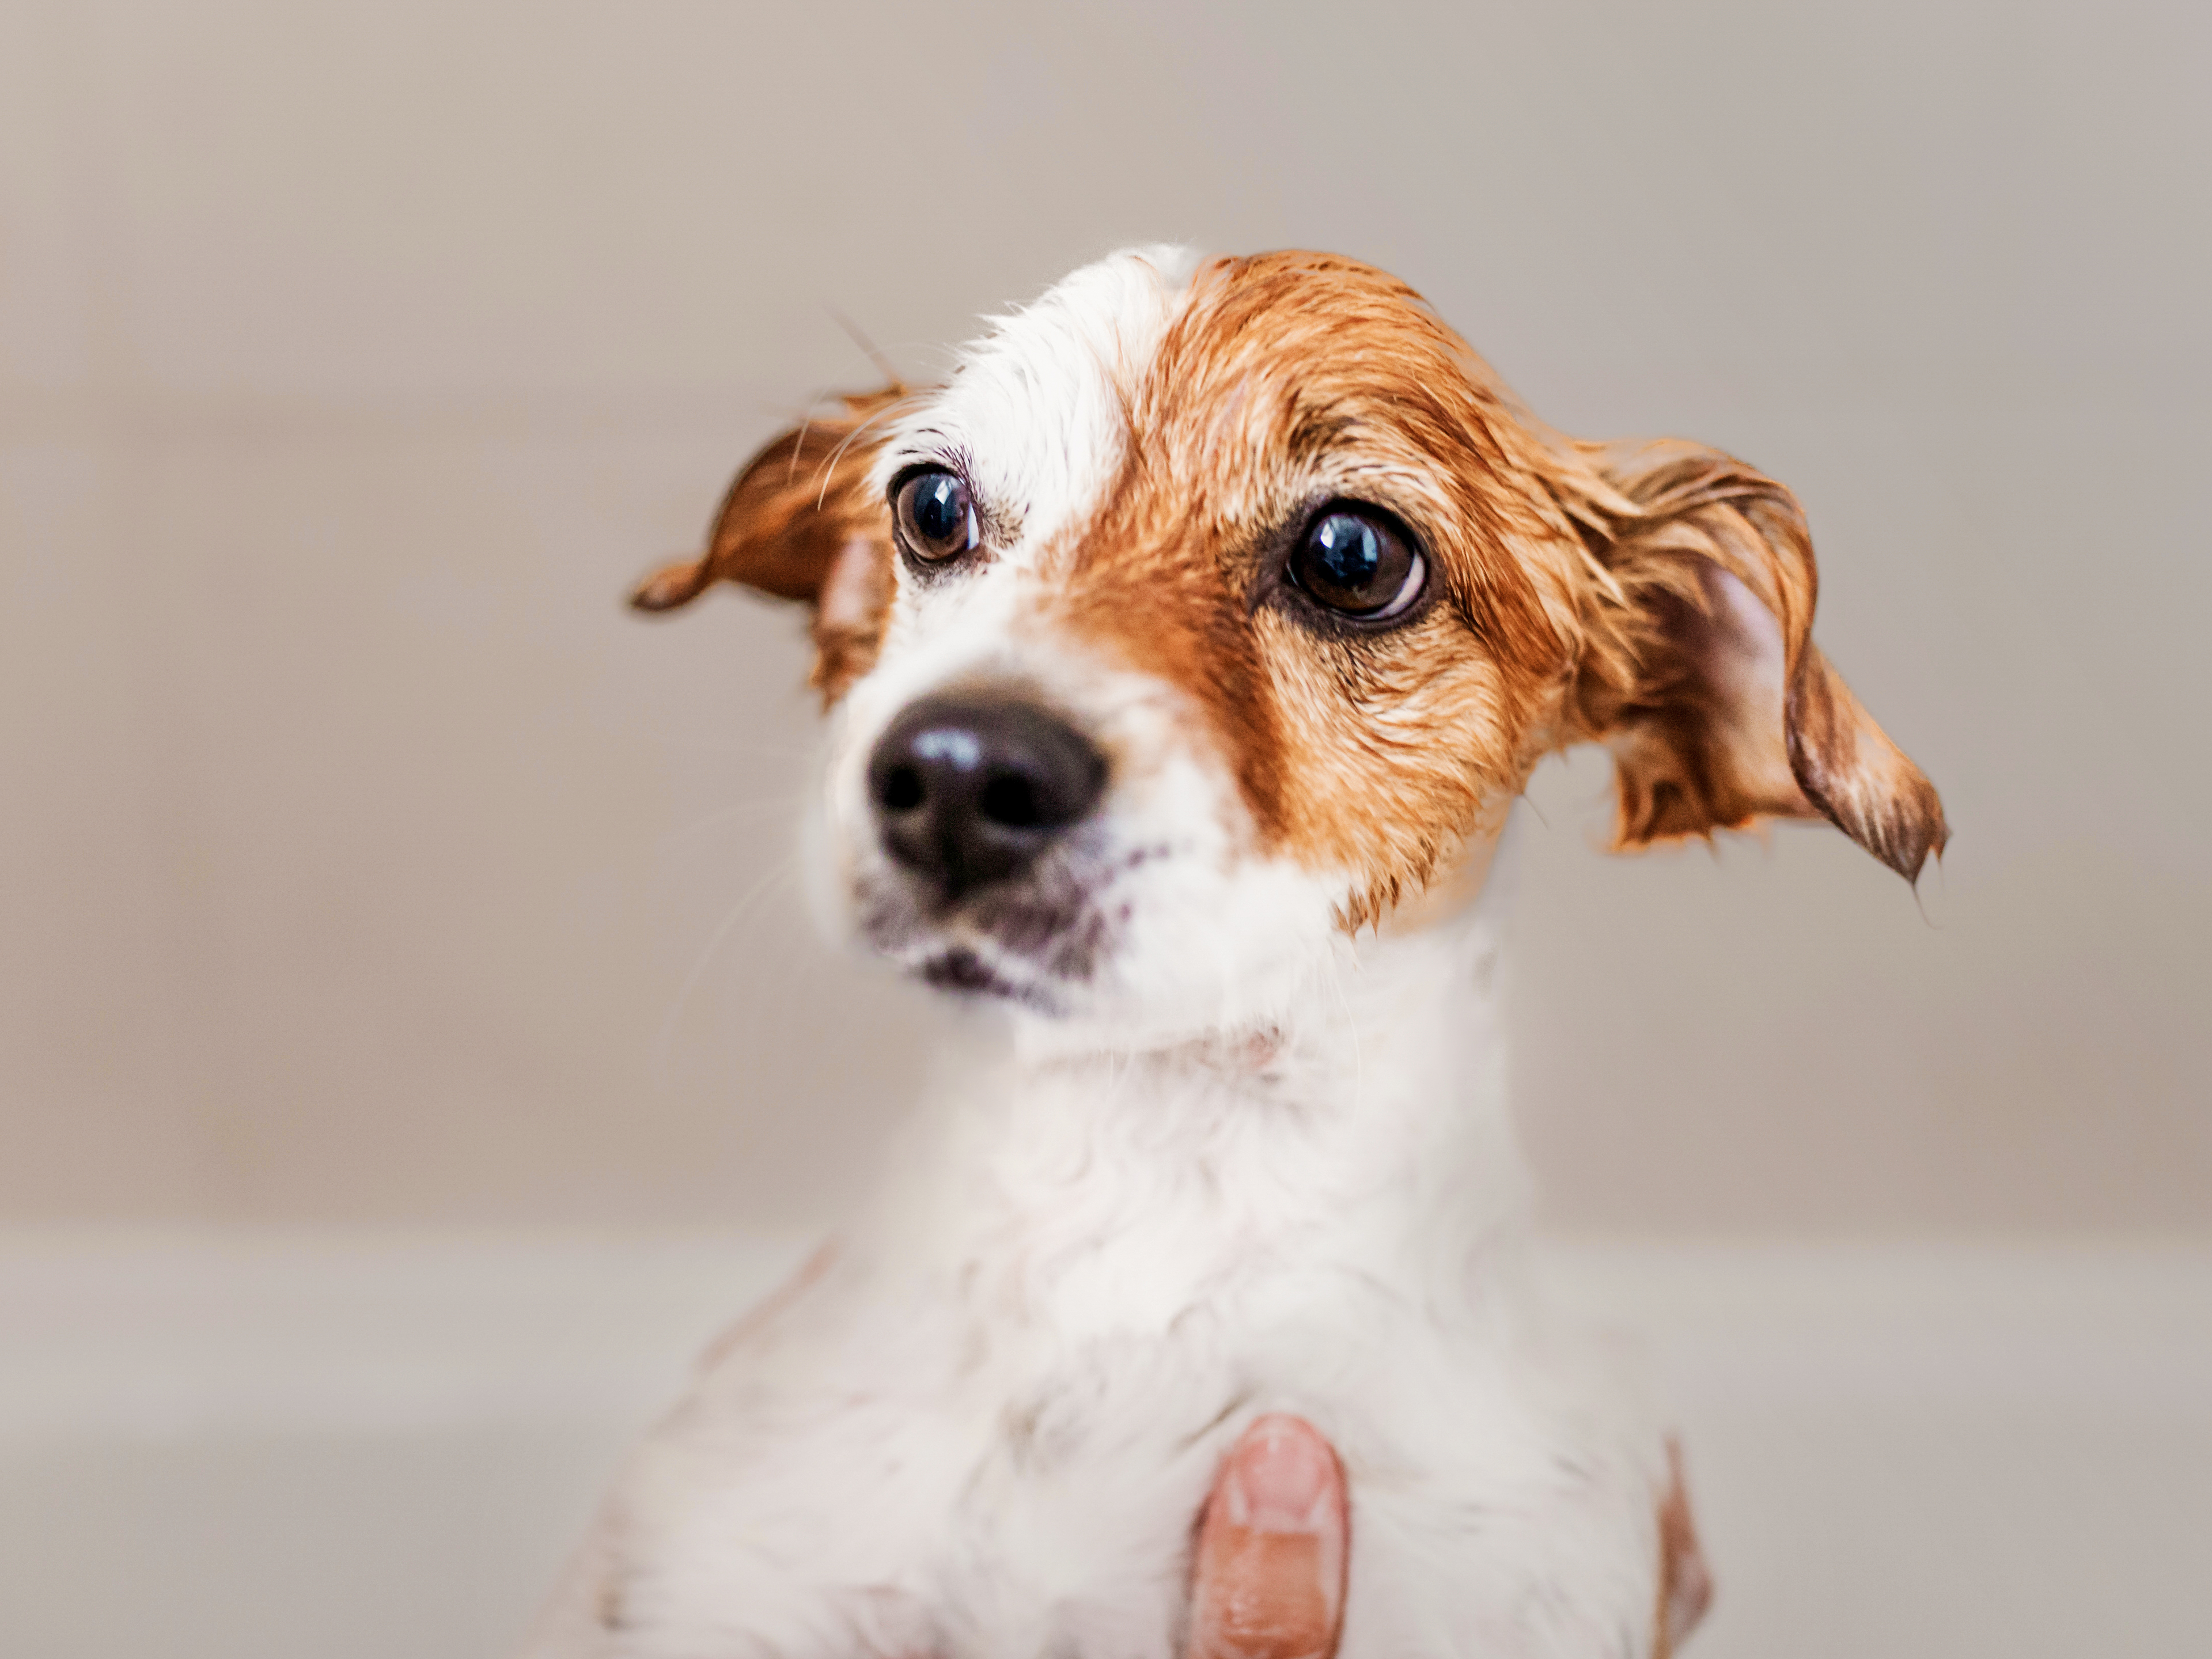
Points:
(1247, 1165)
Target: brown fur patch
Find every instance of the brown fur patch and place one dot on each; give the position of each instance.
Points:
(1581, 591)
(1584, 592)
(799, 522)
(1289, 379)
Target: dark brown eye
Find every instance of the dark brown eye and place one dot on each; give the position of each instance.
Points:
(1357, 564)
(936, 518)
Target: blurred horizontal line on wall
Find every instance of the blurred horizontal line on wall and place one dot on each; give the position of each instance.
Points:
(181, 1335)
(159, 1336)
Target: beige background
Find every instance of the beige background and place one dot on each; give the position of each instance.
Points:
(362, 861)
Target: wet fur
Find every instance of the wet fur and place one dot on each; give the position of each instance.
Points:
(1241, 1146)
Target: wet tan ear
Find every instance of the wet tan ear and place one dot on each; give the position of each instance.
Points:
(1700, 672)
(800, 522)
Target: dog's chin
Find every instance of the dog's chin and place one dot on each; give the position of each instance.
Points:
(1088, 952)
(1038, 949)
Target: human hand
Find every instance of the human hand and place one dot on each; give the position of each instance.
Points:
(1269, 1572)
(1268, 1581)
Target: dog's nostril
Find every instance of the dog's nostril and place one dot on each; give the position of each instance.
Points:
(901, 789)
(1009, 799)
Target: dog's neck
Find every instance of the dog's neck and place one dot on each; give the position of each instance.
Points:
(1366, 1128)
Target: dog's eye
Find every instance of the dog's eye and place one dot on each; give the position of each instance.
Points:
(1359, 565)
(936, 518)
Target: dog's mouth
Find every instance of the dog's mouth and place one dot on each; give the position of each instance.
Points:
(962, 971)
(1036, 941)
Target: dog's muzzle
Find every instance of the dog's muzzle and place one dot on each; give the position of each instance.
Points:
(971, 789)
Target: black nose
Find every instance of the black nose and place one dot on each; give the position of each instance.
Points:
(968, 789)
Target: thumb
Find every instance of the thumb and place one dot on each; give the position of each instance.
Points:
(1268, 1581)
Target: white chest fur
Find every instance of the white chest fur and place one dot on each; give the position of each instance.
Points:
(986, 1425)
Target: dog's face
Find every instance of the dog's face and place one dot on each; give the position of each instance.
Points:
(1209, 609)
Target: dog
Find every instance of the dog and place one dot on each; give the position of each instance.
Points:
(1184, 651)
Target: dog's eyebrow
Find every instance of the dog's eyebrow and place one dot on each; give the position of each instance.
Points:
(930, 447)
(926, 444)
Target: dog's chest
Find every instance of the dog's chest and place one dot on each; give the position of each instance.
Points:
(1090, 1444)
(1126, 1307)
(988, 1430)
(1094, 1428)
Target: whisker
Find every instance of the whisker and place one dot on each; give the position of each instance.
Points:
(829, 466)
(776, 872)
(713, 745)
(744, 811)
(805, 425)
(867, 346)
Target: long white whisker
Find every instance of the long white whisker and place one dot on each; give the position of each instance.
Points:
(744, 811)
(837, 454)
(806, 426)
(712, 744)
(775, 873)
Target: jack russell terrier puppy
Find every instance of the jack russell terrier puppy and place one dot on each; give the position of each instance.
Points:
(1185, 651)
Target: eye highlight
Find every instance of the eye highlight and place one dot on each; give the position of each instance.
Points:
(1354, 562)
(935, 515)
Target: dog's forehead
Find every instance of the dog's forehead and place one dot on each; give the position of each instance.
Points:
(1258, 371)
(1035, 413)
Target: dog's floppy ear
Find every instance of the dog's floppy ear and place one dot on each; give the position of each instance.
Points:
(800, 522)
(1699, 670)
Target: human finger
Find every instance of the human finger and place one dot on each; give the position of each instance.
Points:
(1269, 1576)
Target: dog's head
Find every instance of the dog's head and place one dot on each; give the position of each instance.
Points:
(1207, 611)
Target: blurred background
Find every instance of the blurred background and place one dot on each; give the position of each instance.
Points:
(412, 1040)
